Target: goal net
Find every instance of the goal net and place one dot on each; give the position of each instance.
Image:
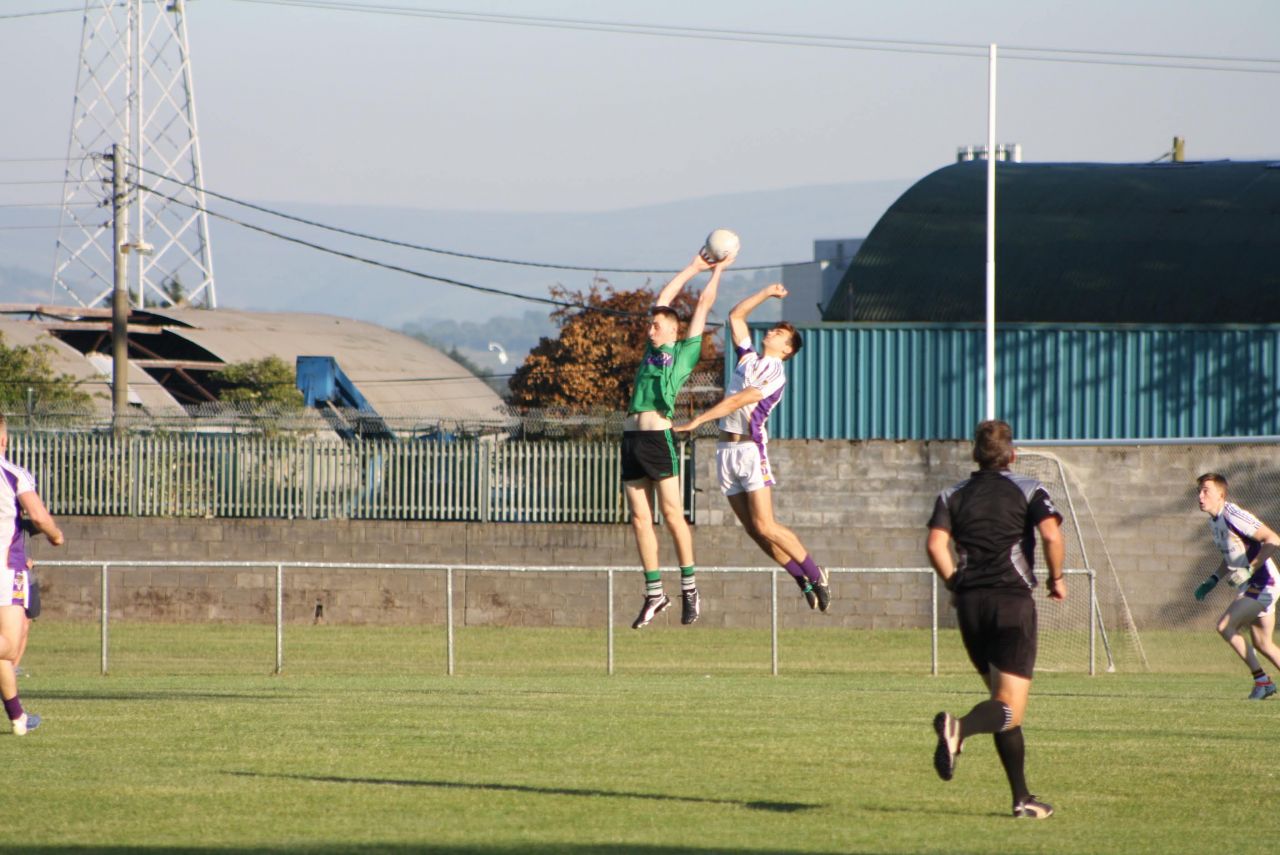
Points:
(1082, 632)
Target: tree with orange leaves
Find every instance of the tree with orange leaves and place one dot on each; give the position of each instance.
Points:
(591, 364)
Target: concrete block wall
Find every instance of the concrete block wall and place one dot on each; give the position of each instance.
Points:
(860, 504)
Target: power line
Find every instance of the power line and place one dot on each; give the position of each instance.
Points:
(1189, 61)
(437, 250)
(395, 267)
(32, 159)
(49, 205)
(44, 12)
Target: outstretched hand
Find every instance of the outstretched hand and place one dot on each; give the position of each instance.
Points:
(777, 289)
(687, 427)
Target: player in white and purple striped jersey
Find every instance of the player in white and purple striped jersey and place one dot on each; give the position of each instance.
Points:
(1247, 547)
(742, 453)
(17, 495)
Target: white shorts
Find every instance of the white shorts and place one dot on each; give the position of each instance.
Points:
(743, 467)
(1265, 596)
(14, 583)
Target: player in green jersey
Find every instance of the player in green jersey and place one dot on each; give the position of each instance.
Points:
(649, 462)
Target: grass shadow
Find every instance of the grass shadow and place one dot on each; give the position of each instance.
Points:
(771, 806)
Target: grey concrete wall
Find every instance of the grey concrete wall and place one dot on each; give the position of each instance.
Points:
(855, 504)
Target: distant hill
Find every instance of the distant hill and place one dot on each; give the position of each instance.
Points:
(254, 271)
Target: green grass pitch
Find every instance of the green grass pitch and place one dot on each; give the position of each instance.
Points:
(364, 745)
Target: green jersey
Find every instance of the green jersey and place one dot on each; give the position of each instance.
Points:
(661, 374)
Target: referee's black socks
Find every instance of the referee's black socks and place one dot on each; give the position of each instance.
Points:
(1013, 756)
(990, 716)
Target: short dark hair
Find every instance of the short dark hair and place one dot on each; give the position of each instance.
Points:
(993, 444)
(668, 311)
(1215, 478)
(797, 341)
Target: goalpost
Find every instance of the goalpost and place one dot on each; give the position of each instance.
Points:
(1065, 627)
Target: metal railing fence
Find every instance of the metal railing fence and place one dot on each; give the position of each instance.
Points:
(105, 568)
(229, 475)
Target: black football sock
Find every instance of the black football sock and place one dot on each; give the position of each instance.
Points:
(990, 716)
(1013, 754)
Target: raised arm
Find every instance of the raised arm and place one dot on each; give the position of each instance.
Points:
(738, 314)
(673, 288)
(706, 299)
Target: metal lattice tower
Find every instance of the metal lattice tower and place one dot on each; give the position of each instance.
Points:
(134, 88)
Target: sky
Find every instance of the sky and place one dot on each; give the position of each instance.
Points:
(309, 106)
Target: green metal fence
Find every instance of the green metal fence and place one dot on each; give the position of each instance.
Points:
(228, 475)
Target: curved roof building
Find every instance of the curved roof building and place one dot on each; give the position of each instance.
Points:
(1076, 243)
(173, 352)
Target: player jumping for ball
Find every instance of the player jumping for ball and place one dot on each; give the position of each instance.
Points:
(742, 457)
(649, 461)
(1247, 547)
(993, 517)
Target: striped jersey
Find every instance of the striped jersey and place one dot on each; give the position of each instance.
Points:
(992, 518)
(754, 371)
(14, 483)
(1233, 533)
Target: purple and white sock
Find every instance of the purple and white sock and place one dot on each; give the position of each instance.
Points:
(794, 569)
(13, 707)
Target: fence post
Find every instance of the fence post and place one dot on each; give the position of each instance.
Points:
(448, 619)
(279, 618)
(104, 618)
(609, 626)
(933, 623)
(773, 618)
(486, 481)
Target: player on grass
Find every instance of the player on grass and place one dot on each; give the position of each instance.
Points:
(742, 458)
(992, 518)
(649, 461)
(1247, 547)
(17, 494)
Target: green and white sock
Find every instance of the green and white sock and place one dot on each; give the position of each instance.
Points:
(688, 581)
(653, 583)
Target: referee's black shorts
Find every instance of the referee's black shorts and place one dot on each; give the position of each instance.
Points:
(998, 626)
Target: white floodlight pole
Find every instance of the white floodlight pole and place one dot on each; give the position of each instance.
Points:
(991, 231)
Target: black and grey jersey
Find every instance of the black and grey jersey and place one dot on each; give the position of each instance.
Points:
(992, 517)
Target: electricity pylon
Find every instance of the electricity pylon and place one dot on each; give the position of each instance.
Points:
(134, 89)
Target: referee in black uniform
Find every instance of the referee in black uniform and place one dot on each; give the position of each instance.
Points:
(992, 518)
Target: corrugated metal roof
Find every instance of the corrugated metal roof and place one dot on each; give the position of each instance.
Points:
(398, 374)
(1076, 242)
(65, 359)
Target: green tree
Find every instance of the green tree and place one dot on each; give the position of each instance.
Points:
(269, 380)
(24, 367)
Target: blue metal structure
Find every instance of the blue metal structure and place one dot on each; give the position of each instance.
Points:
(1059, 381)
(326, 386)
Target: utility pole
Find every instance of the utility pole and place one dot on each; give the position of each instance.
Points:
(120, 294)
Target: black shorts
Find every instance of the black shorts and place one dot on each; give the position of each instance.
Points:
(649, 454)
(33, 595)
(999, 629)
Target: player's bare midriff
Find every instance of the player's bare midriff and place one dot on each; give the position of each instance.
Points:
(648, 420)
